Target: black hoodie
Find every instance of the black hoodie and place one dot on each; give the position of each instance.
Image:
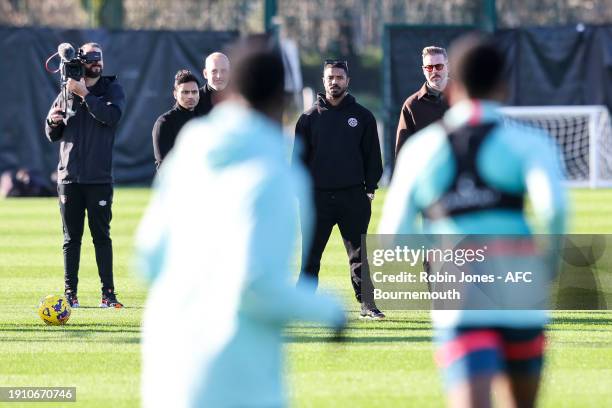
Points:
(205, 103)
(87, 138)
(339, 145)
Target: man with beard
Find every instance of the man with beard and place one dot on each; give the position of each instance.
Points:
(169, 124)
(217, 74)
(429, 103)
(337, 141)
(84, 173)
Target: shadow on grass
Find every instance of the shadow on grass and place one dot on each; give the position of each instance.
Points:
(361, 339)
(67, 329)
(393, 319)
(129, 340)
(580, 329)
(361, 328)
(360, 324)
(110, 308)
(72, 328)
(582, 319)
(93, 324)
(385, 324)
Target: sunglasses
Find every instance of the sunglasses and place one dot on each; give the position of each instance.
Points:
(92, 56)
(336, 63)
(438, 67)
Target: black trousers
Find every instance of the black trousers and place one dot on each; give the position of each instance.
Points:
(97, 199)
(351, 210)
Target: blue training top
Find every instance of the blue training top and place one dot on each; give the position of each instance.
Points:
(217, 243)
(513, 158)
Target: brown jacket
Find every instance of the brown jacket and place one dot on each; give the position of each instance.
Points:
(419, 111)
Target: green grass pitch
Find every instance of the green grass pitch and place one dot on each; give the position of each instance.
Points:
(384, 364)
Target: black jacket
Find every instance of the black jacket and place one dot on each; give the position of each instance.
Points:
(205, 104)
(87, 138)
(166, 128)
(339, 145)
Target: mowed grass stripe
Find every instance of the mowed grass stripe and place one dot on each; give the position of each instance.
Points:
(381, 364)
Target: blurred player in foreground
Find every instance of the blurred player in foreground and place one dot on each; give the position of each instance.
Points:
(469, 174)
(216, 242)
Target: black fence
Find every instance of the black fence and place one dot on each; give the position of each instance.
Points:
(546, 66)
(145, 63)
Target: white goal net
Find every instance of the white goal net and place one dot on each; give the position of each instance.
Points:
(583, 134)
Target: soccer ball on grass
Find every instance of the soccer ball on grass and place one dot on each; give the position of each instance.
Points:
(54, 310)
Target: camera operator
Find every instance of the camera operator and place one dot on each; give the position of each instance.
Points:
(85, 180)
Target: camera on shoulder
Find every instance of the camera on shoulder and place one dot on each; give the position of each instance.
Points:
(72, 64)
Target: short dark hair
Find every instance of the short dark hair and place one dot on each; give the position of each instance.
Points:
(334, 63)
(433, 50)
(90, 44)
(183, 76)
(258, 73)
(478, 64)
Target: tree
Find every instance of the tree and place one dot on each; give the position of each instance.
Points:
(105, 13)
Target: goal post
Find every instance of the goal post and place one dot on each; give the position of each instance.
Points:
(583, 134)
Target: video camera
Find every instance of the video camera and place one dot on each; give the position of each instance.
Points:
(72, 66)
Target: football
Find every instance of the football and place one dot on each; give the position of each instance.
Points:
(54, 310)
